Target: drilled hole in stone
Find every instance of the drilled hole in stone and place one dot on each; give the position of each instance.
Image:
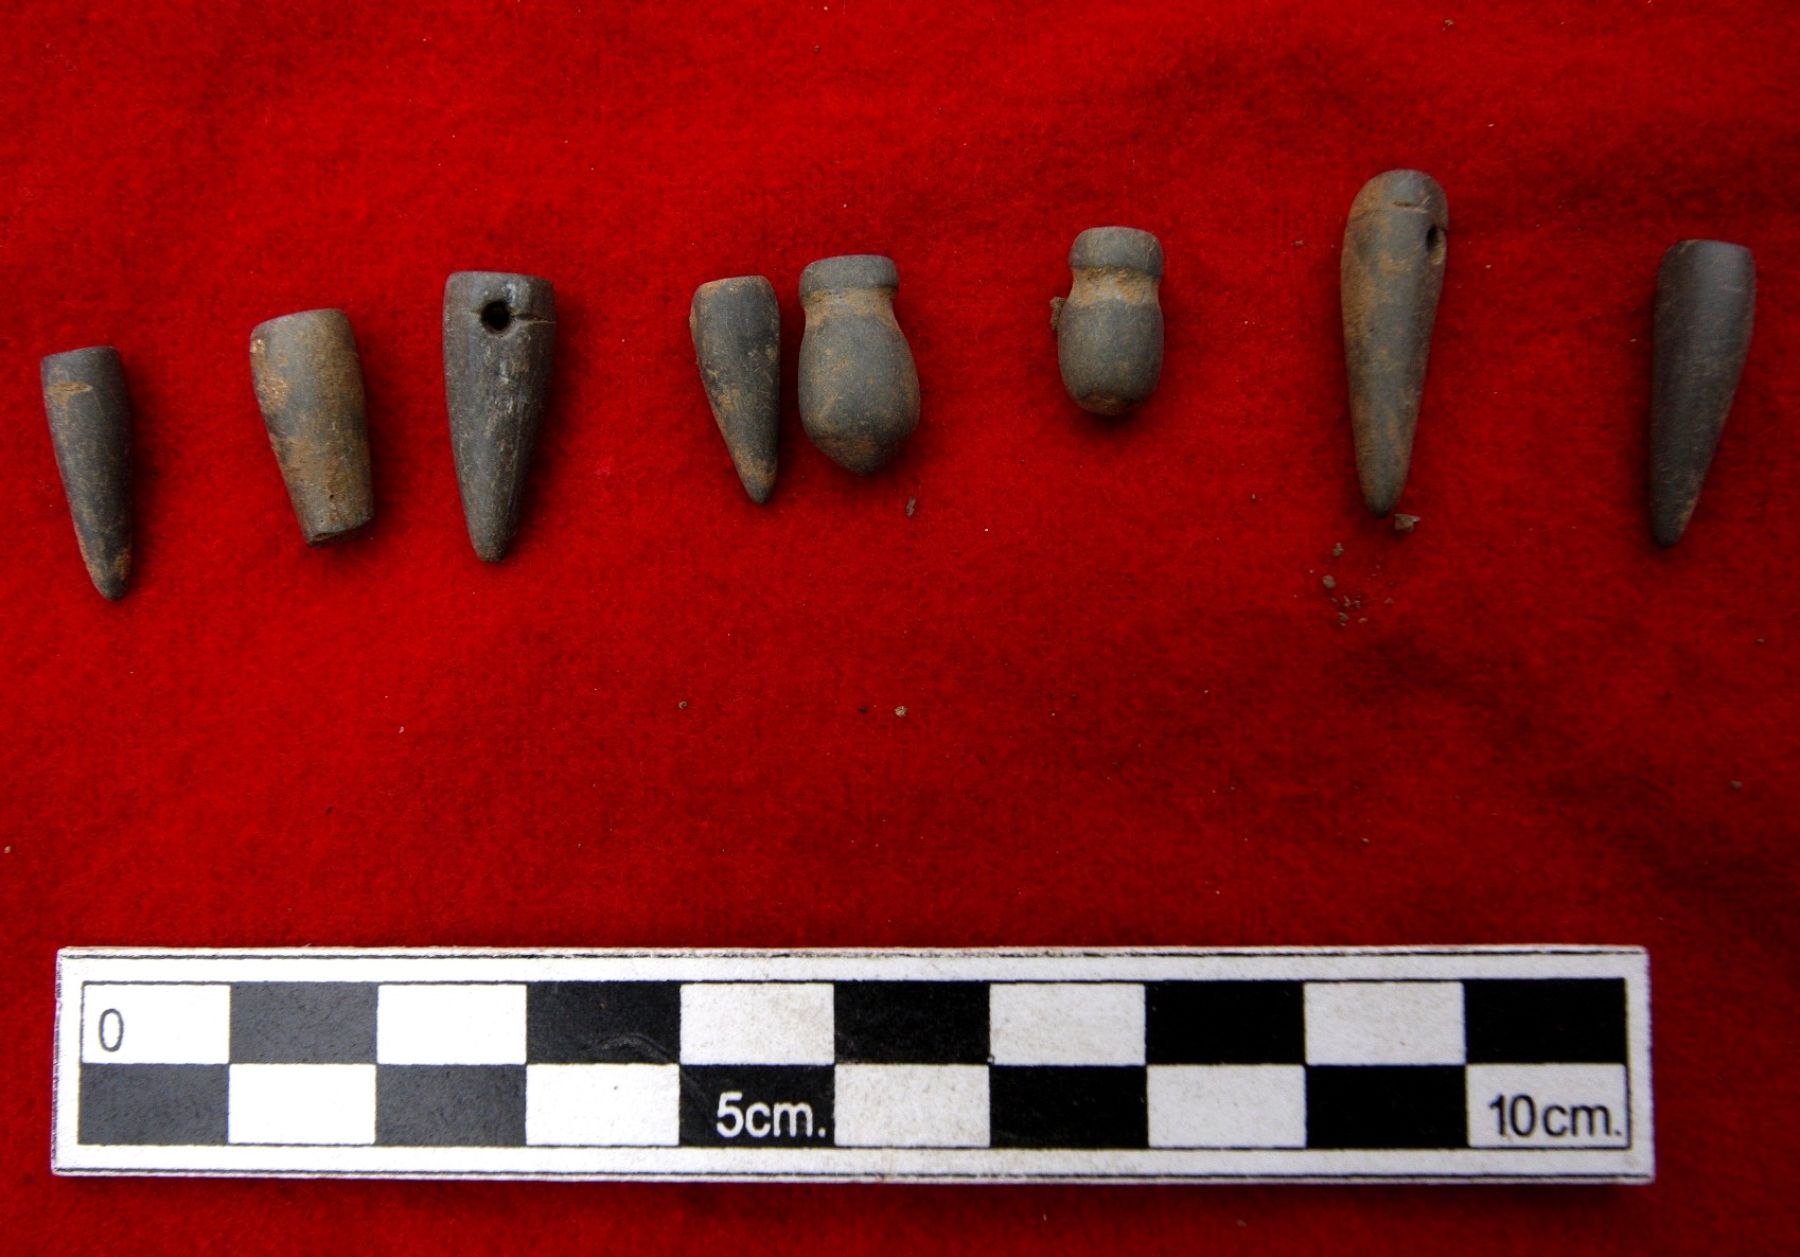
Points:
(1434, 243)
(496, 316)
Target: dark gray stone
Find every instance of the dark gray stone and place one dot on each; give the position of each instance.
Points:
(1705, 307)
(310, 387)
(1109, 330)
(1392, 273)
(859, 389)
(90, 425)
(499, 340)
(736, 325)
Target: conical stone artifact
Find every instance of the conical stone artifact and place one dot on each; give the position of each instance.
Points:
(1392, 272)
(1705, 305)
(90, 426)
(499, 338)
(859, 390)
(736, 325)
(310, 387)
(1109, 331)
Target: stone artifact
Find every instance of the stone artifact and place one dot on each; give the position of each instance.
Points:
(1705, 304)
(309, 384)
(90, 425)
(736, 325)
(1392, 273)
(859, 390)
(499, 338)
(1109, 331)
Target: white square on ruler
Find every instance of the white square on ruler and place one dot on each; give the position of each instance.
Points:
(1227, 1106)
(1548, 1106)
(757, 1023)
(302, 1104)
(911, 1106)
(1384, 1023)
(598, 1106)
(1066, 1023)
(155, 1023)
(450, 1024)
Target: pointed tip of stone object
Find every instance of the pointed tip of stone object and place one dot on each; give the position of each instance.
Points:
(112, 579)
(758, 485)
(490, 549)
(1666, 530)
(1381, 494)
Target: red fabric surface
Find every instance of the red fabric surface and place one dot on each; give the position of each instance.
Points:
(1132, 712)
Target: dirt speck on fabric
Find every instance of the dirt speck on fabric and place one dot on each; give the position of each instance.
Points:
(1337, 551)
(1330, 582)
(1737, 785)
(682, 705)
(912, 504)
(1405, 523)
(901, 712)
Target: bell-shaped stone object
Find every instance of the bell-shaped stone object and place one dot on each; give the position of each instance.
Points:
(309, 384)
(1109, 330)
(499, 341)
(859, 389)
(90, 426)
(736, 325)
(1392, 273)
(1705, 305)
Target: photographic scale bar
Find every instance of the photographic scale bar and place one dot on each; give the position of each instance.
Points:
(1115, 1065)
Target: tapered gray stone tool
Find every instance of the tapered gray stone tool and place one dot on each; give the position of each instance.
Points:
(736, 325)
(499, 339)
(1109, 330)
(859, 390)
(309, 384)
(1705, 305)
(1392, 272)
(90, 425)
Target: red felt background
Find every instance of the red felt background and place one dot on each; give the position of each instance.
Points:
(1132, 712)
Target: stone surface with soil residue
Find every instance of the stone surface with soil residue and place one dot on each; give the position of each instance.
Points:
(1392, 273)
(859, 389)
(1109, 330)
(1705, 308)
(309, 385)
(736, 326)
(499, 342)
(90, 426)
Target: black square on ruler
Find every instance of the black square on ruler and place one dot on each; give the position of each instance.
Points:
(429, 1106)
(615, 1023)
(1224, 1023)
(303, 1023)
(912, 1023)
(154, 1104)
(1563, 1021)
(1386, 1106)
(1068, 1106)
(757, 1106)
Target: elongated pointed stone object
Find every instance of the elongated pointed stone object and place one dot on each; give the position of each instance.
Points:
(1109, 330)
(1705, 306)
(499, 341)
(309, 384)
(859, 389)
(1392, 273)
(90, 426)
(736, 325)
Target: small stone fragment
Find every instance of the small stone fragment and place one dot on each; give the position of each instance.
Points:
(1392, 272)
(90, 426)
(736, 325)
(1330, 582)
(499, 342)
(309, 384)
(912, 504)
(1337, 551)
(1705, 306)
(1405, 523)
(1109, 330)
(859, 389)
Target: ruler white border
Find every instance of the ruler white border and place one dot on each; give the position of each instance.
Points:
(1633, 1164)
